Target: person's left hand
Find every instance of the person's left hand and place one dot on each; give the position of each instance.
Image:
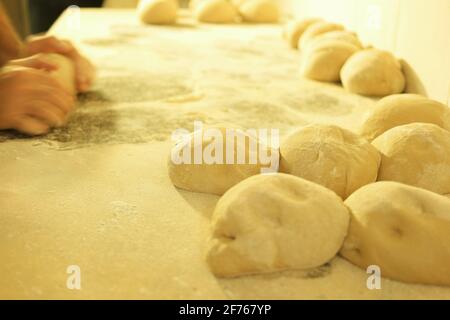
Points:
(85, 71)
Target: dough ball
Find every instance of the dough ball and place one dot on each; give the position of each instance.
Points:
(400, 109)
(275, 222)
(194, 3)
(323, 60)
(417, 154)
(339, 35)
(402, 229)
(65, 74)
(294, 29)
(330, 156)
(259, 11)
(237, 3)
(373, 72)
(215, 11)
(315, 30)
(158, 11)
(202, 163)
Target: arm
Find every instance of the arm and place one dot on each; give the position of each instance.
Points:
(10, 44)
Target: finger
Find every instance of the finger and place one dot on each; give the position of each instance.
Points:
(42, 77)
(53, 96)
(40, 64)
(35, 63)
(68, 46)
(45, 112)
(85, 74)
(48, 44)
(44, 65)
(50, 88)
(31, 126)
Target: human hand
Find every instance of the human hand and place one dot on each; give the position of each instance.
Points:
(85, 71)
(32, 101)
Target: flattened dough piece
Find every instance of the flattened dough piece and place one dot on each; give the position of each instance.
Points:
(275, 222)
(330, 156)
(417, 154)
(402, 229)
(212, 174)
(373, 72)
(400, 109)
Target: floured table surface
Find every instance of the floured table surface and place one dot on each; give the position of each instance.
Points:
(96, 194)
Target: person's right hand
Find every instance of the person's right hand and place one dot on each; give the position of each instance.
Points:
(32, 101)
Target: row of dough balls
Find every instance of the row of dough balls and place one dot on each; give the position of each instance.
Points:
(329, 53)
(210, 11)
(294, 220)
(405, 138)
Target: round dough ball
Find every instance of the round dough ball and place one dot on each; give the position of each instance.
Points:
(275, 222)
(402, 229)
(194, 3)
(237, 3)
(158, 11)
(373, 72)
(216, 174)
(294, 29)
(315, 30)
(65, 74)
(417, 154)
(400, 109)
(339, 35)
(323, 60)
(259, 11)
(330, 156)
(215, 11)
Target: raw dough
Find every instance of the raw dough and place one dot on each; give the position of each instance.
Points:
(340, 35)
(215, 11)
(217, 178)
(275, 222)
(237, 3)
(195, 3)
(417, 154)
(294, 29)
(65, 73)
(402, 229)
(158, 11)
(259, 11)
(400, 109)
(315, 30)
(323, 60)
(331, 156)
(373, 72)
